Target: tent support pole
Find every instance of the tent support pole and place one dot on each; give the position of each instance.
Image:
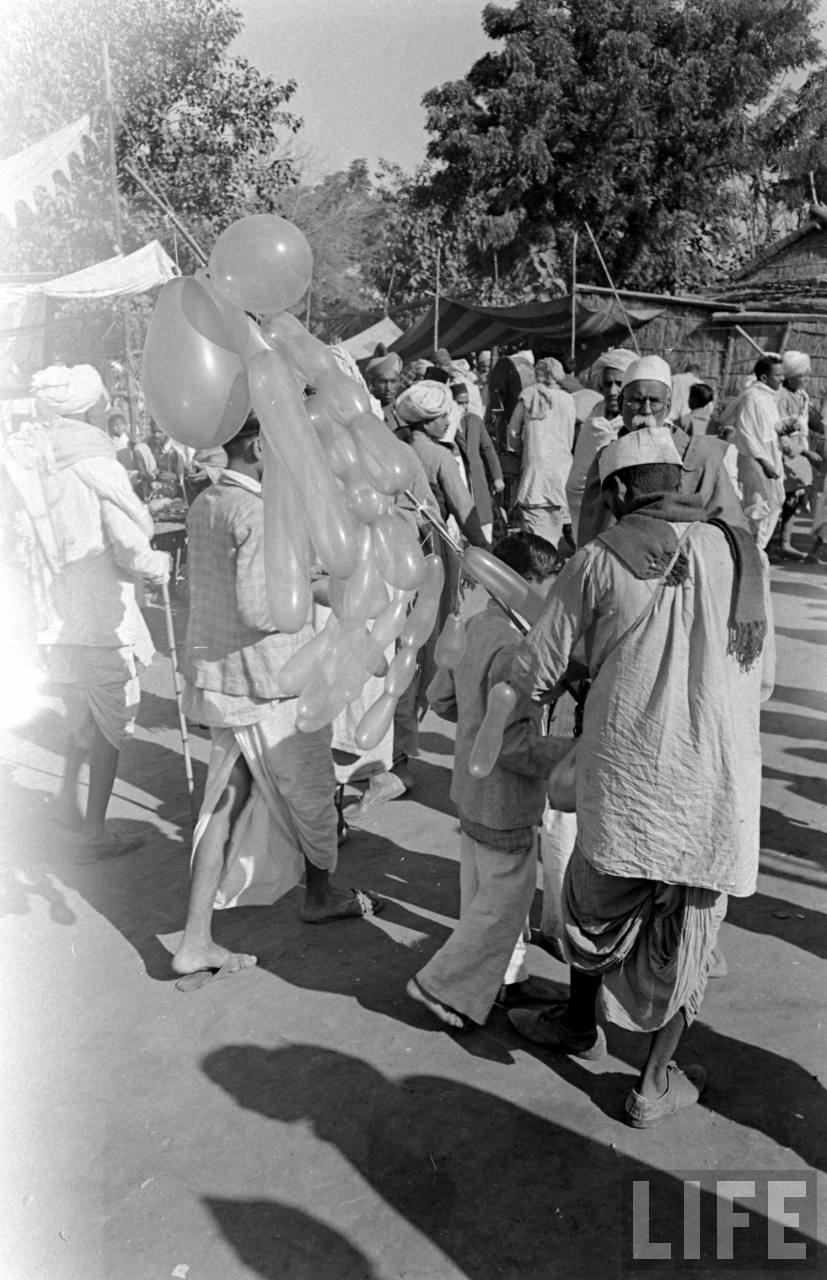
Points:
(573, 295)
(436, 292)
(116, 217)
(612, 287)
(167, 211)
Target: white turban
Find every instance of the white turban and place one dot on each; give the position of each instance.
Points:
(615, 358)
(61, 391)
(648, 369)
(638, 449)
(424, 401)
(528, 356)
(796, 363)
(552, 367)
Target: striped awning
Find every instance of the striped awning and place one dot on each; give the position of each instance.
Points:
(463, 329)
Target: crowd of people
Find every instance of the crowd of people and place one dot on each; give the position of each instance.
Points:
(639, 509)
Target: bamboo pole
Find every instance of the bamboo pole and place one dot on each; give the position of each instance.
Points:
(436, 292)
(118, 225)
(573, 296)
(756, 345)
(176, 683)
(612, 286)
(166, 209)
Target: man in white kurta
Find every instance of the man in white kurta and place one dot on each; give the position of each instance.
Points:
(673, 611)
(760, 469)
(601, 426)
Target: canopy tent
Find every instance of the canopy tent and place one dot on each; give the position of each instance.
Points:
(362, 345)
(116, 277)
(37, 166)
(463, 329)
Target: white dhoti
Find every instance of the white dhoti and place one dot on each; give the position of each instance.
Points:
(289, 814)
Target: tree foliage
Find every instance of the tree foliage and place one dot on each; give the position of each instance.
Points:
(640, 117)
(207, 130)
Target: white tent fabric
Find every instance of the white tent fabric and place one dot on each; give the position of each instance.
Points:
(37, 166)
(125, 274)
(363, 344)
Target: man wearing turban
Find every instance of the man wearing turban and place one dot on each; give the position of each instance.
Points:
(645, 402)
(757, 429)
(543, 421)
(98, 638)
(601, 426)
(382, 376)
(794, 413)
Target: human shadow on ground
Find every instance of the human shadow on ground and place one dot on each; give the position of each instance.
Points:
(801, 590)
(767, 916)
(788, 835)
(501, 1190)
(439, 744)
(786, 724)
(801, 633)
(812, 698)
(280, 1242)
(801, 784)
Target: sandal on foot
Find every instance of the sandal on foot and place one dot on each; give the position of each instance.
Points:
(450, 1017)
(363, 903)
(718, 967)
(683, 1089)
(546, 1027)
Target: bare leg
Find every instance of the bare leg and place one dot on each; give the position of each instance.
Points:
(197, 949)
(654, 1080)
(68, 794)
(103, 766)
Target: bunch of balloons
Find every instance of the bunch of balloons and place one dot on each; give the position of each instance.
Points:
(332, 472)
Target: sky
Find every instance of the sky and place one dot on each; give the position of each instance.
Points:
(362, 67)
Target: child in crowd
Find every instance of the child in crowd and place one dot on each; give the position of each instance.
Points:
(498, 815)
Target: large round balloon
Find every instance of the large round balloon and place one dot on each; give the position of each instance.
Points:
(261, 263)
(195, 386)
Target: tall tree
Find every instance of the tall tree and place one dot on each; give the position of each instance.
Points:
(636, 116)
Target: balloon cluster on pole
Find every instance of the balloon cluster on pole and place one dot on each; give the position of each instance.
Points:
(331, 477)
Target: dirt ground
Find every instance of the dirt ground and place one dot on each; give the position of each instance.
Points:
(306, 1121)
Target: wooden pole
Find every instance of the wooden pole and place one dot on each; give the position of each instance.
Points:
(756, 345)
(436, 292)
(573, 295)
(165, 209)
(612, 287)
(179, 702)
(116, 216)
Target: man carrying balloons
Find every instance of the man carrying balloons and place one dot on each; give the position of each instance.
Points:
(267, 816)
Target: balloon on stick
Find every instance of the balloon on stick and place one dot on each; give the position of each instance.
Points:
(397, 551)
(195, 388)
(387, 462)
(449, 649)
(489, 740)
(294, 440)
(261, 263)
(375, 723)
(504, 583)
(286, 547)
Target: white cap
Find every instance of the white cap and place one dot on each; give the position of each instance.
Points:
(648, 369)
(638, 449)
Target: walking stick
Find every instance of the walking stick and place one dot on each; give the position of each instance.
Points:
(182, 720)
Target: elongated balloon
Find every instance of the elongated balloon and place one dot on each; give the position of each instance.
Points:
(338, 446)
(420, 621)
(375, 723)
(397, 551)
(391, 620)
(261, 263)
(307, 353)
(195, 388)
(489, 740)
(286, 547)
(295, 673)
(293, 438)
(365, 594)
(401, 671)
(504, 583)
(224, 323)
(343, 397)
(449, 649)
(387, 462)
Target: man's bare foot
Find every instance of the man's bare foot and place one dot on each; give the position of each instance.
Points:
(341, 904)
(382, 786)
(192, 959)
(444, 1012)
(109, 845)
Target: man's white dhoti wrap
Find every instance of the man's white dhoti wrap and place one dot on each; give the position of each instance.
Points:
(289, 814)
